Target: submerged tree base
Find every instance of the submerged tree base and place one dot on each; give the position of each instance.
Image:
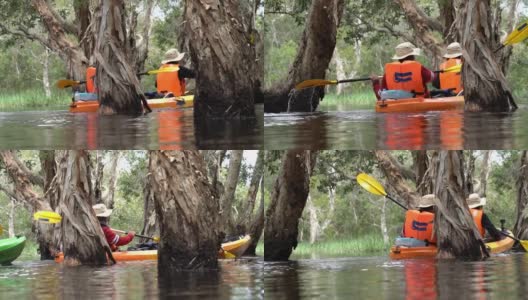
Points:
(306, 100)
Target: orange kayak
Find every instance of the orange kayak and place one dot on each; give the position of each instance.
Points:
(420, 104)
(174, 102)
(232, 249)
(402, 252)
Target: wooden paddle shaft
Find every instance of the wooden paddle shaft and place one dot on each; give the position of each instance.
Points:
(354, 80)
(138, 235)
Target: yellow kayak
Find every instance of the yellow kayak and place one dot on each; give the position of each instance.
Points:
(173, 102)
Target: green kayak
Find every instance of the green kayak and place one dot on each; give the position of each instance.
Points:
(10, 249)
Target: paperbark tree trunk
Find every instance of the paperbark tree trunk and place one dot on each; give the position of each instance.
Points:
(99, 176)
(397, 184)
(485, 86)
(150, 221)
(484, 173)
(257, 226)
(49, 168)
(456, 232)
(82, 238)
(424, 183)
(223, 51)
(245, 218)
(228, 197)
(11, 221)
(312, 60)
(214, 160)
(288, 199)
(113, 174)
(187, 211)
(521, 224)
(118, 87)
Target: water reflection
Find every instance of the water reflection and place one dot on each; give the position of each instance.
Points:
(163, 129)
(365, 129)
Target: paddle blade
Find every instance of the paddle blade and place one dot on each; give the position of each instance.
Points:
(313, 83)
(65, 83)
(47, 216)
(229, 255)
(163, 70)
(1, 230)
(524, 244)
(453, 69)
(519, 34)
(370, 184)
(156, 239)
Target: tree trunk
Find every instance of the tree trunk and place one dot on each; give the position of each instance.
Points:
(48, 167)
(214, 160)
(485, 86)
(245, 218)
(396, 182)
(223, 53)
(139, 42)
(521, 224)
(484, 173)
(187, 211)
(288, 199)
(469, 170)
(45, 74)
(11, 221)
(112, 180)
(150, 223)
(455, 229)
(383, 223)
(82, 238)
(99, 176)
(228, 197)
(340, 70)
(312, 217)
(313, 57)
(255, 230)
(118, 87)
(424, 183)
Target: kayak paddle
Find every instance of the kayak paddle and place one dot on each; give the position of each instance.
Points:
(47, 216)
(519, 34)
(310, 83)
(155, 238)
(1, 230)
(66, 83)
(373, 186)
(523, 243)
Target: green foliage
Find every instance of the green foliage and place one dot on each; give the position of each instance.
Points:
(354, 246)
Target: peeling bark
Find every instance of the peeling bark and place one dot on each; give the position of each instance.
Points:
(396, 181)
(288, 199)
(423, 180)
(112, 180)
(187, 211)
(150, 223)
(521, 224)
(484, 173)
(246, 216)
(228, 197)
(257, 225)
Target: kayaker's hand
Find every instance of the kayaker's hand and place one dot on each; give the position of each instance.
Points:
(374, 77)
(133, 233)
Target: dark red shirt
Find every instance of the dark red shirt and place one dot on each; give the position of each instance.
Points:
(427, 76)
(114, 239)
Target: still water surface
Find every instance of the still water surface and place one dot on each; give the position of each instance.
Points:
(352, 128)
(163, 129)
(241, 279)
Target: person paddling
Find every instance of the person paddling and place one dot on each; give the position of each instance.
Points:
(173, 83)
(419, 223)
(113, 239)
(449, 83)
(484, 224)
(404, 78)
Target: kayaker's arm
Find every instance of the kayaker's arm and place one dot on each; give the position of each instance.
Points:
(488, 225)
(186, 73)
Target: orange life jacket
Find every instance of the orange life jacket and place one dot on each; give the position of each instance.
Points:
(90, 80)
(451, 80)
(477, 217)
(170, 82)
(406, 76)
(419, 225)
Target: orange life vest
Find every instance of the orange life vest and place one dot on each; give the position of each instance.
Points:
(419, 225)
(451, 80)
(90, 80)
(477, 217)
(406, 76)
(170, 82)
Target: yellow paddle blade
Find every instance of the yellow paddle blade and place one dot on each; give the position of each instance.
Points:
(229, 255)
(313, 83)
(370, 184)
(163, 70)
(47, 216)
(65, 83)
(1, 230)
(518, 35)
(156, 239)
(524, 244)
(454, 69)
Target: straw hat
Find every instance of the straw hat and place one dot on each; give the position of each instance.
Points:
(453, 50)
(426, 201)
(406, 49)
(474, 200)
(172, 55)
(101, 210)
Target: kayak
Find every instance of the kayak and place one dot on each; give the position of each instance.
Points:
(233, 249)
(402, 252)
(10, 249)
(173, 102)
(420, 104)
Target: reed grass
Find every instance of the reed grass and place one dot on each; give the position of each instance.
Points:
(357, 246)
(34, 99)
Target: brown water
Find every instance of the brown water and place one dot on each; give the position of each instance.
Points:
(365, 129)
(164, 129)
(241, 279)
(501, 277)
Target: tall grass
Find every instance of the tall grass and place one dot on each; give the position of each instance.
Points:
(360, 99)
(358, 246)
(34, 99)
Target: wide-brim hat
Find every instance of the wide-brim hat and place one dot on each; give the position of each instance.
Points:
(453, 50)
(172, 55)
(427, 201)
(406, 49)
(101, 210)
(474, 200)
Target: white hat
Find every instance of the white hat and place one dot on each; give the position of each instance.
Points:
(427, 201)
(406, 49)
(172, 55)
(453, 50)
(101, 210)
(474, 200)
